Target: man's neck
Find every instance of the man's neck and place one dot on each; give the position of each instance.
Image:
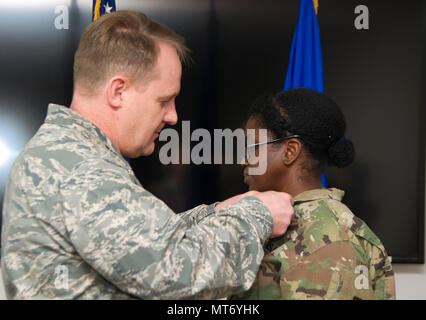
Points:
(93, 110)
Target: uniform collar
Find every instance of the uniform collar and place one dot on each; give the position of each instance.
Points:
(65, 117)
(310, 195)
(318, 194)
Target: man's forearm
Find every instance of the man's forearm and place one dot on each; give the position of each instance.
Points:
(195, 215)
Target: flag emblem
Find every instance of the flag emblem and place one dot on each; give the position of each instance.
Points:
(101, 7)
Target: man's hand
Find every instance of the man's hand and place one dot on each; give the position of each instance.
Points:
(280, 205)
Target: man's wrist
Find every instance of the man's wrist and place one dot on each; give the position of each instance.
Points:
(205, 212)
(256, 211)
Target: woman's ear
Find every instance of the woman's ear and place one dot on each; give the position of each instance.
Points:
(291, 151)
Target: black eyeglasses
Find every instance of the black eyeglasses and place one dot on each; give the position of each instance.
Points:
(272, 141)
(250, 147)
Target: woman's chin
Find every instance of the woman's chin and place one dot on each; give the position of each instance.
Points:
(250, 186)
(248, 181)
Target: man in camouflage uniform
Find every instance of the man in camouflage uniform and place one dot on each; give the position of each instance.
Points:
(327, 253)
(77, 224)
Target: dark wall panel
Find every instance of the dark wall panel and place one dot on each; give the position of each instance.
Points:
(240, 50)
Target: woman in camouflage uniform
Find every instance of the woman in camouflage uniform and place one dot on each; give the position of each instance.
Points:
(327, 252)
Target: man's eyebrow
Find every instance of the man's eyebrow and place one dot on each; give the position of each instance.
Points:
(174, 95)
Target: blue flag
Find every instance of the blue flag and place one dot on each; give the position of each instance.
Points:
(101, 7)
(305, 68)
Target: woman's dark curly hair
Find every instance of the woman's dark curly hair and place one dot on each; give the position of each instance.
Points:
(313, 116)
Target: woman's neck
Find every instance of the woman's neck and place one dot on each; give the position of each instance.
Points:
(298, 185)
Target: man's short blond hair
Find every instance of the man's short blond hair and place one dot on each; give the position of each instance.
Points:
(121, 42)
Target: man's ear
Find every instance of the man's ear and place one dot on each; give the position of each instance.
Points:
(115, 89)
(291, 151)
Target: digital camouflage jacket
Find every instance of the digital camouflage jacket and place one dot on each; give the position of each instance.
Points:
(77, 224)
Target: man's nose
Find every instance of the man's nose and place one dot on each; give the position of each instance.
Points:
(171, 116)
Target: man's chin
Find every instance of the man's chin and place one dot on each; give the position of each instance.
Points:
(147, 151)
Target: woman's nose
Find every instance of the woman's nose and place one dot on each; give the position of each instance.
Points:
(243, 160)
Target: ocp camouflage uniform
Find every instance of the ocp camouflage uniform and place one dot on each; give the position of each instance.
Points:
(77, 224)
(326, 253)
